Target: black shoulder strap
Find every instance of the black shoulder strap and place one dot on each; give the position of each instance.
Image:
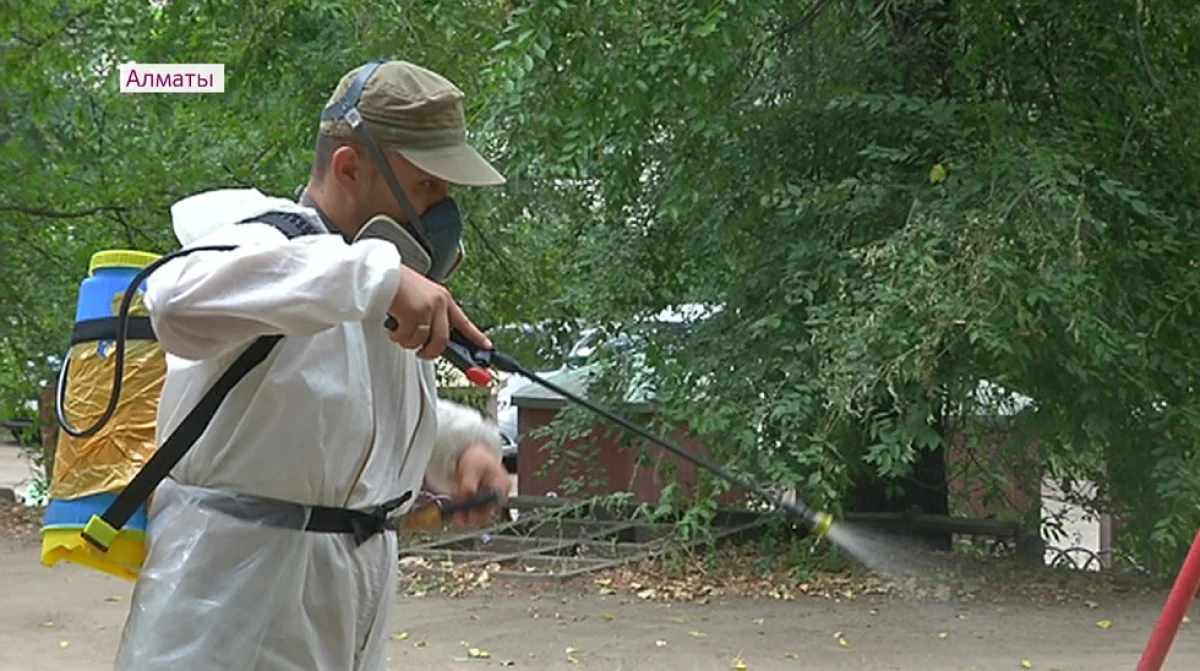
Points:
(291, 224)
(102, 531)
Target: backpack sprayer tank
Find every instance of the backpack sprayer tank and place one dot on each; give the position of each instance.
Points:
(95, 462)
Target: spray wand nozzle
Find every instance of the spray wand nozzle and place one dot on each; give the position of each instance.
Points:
(474, 362)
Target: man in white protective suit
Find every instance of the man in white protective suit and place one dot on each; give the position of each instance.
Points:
(251, 565)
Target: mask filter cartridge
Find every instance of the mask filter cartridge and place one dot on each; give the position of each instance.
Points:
(383, 227)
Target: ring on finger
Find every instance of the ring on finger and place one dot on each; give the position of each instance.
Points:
(426, 332)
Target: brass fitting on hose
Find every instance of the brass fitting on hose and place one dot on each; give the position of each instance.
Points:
(822, 524)
(434, 515)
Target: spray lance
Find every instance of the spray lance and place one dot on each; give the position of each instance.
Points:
(475, 363)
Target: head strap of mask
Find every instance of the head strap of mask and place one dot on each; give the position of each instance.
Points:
(444, 249)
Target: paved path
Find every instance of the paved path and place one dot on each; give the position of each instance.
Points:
(70, 618)
(43, 608)
(16, 470)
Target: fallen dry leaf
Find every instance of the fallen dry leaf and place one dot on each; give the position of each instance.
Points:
(608, 617)
(739, 665)
(1104, 624)
(963, 579)
(508, 662)
(1026, 664)
(843, 642)
(759, 620)
(943, 635)
(791, 655)
(476, 653)
(64, 644)
(48, 624)
(113, 598)
(698, 634)
(420, 644)
(400, 636)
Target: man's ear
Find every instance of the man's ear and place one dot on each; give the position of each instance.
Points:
(349, 170)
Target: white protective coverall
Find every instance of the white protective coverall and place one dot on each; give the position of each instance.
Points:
(337, 415)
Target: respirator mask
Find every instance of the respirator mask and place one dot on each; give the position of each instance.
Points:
(440, 256)
(430, 244)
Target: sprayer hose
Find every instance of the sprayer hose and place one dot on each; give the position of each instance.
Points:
(114, 397)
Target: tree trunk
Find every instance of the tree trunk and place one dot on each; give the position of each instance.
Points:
(48, 428)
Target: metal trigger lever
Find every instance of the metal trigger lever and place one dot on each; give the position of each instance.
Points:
(466, 356)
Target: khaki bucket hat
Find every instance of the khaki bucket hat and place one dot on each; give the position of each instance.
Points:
(418, 114)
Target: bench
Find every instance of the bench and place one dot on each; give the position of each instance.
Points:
(18, 427)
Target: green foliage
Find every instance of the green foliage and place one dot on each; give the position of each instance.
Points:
(893, 200)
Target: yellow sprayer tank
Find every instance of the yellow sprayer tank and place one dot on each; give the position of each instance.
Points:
(90, 471)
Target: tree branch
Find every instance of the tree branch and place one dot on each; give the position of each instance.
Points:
(46, 254)
(804, 21)
(250, 167)
(234, 176)
(1139, 9)
(59, 214)
(66, 27)
(131, 231)
(504, 260)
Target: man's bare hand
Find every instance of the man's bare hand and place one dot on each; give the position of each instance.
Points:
(479, 471)
(425, 312)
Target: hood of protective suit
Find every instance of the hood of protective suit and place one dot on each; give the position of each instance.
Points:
(195, 217)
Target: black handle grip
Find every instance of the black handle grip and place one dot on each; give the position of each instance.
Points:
(478, 501)
(463, 354)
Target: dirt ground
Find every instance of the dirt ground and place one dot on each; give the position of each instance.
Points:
(70, 618)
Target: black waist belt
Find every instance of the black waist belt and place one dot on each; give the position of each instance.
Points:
(362, 524)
